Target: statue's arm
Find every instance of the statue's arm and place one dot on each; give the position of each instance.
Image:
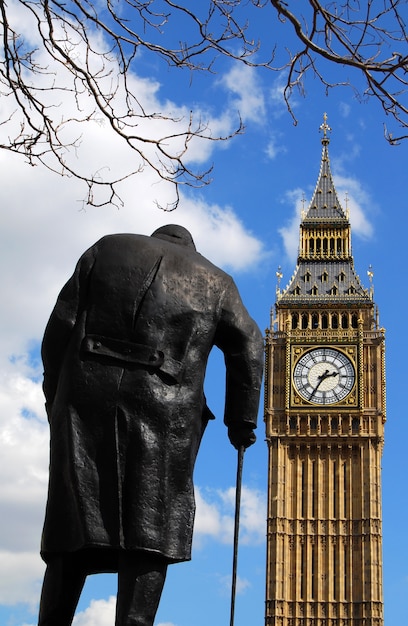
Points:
(240, 339)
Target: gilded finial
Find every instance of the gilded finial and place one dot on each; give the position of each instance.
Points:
(370, 274)
(303, 214)
(279, 276)
(346, 200)
(325, 128)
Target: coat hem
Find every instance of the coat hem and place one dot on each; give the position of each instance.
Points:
(99, 558)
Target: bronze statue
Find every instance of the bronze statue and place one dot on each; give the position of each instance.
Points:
(125, 352)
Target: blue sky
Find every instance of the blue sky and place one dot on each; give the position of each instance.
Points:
(247, 221)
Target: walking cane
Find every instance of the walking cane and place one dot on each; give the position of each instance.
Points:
(240, 463)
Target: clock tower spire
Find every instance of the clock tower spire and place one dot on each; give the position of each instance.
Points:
(325, 415)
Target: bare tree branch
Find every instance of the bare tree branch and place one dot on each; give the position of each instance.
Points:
(73, 63)
(358, 35)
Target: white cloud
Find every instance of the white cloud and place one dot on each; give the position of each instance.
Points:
(216, 512)
(21, 576)
(242, 81)
(276, 96)
(242, 584)
(211, 521)
(274, 148)
(290, 232)
(344, 108)
(99, 613)
(353, 195)
(24, 476)
(252, 513)
(220, 235)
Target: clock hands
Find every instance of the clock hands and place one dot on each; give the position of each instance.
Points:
(321, 378)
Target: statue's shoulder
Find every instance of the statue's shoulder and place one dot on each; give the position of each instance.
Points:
(122, 239)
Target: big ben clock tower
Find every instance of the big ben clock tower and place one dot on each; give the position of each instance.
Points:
(325, 415)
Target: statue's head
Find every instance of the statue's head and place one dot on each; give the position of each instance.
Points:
(175, 234)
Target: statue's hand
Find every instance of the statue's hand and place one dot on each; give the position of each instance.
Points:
(241, 435)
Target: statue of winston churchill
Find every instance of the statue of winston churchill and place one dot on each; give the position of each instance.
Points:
(125, 352)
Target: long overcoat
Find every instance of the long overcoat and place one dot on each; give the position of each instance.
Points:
(125, 352)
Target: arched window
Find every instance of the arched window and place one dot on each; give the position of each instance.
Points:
(335, 320)
(305, 321)
(325, 321)
(354, 320)
(295, 320)
(344, 320)
(315, 320)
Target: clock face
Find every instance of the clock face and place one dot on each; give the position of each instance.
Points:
(324, 376)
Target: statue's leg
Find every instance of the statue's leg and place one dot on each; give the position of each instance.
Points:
(62, 586)
(140, 584)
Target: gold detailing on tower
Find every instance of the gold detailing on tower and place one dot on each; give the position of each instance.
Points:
(324, 418)
(325, 128)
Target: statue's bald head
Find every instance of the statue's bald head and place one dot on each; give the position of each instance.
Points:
(175, 234)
